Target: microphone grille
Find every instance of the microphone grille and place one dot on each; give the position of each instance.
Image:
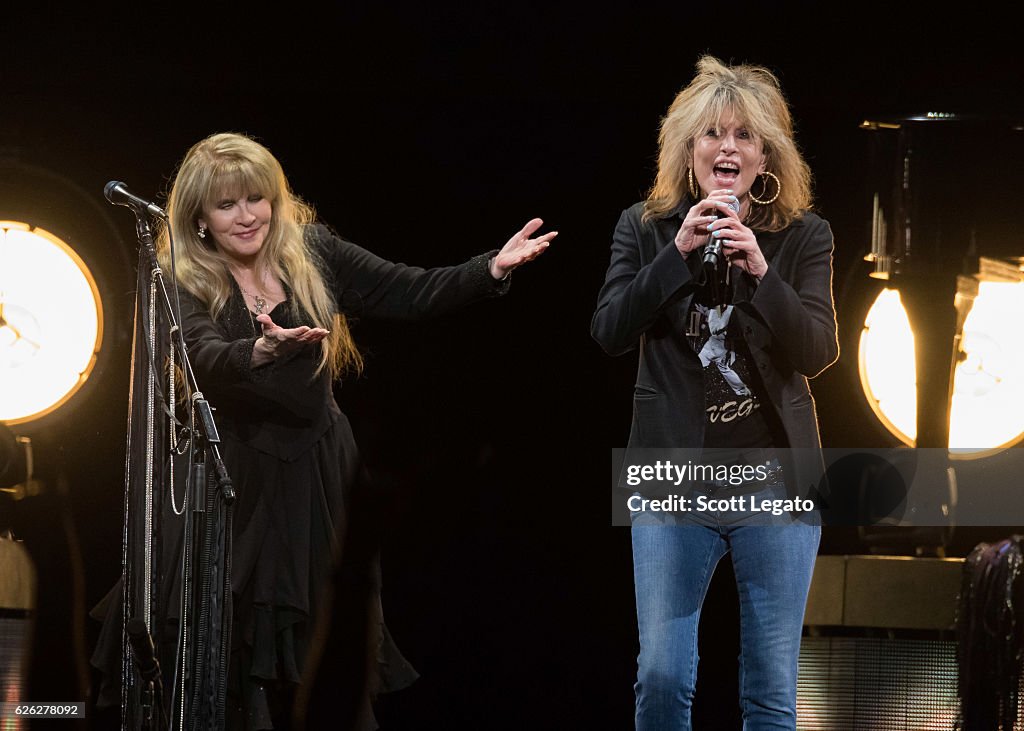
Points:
(108, 189)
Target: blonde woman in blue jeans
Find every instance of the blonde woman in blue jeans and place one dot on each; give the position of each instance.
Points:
(727, 230)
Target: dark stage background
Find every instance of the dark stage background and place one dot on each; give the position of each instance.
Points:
(429, 135)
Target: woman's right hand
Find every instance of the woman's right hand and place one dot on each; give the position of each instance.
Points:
(278, 340)
(693, 233)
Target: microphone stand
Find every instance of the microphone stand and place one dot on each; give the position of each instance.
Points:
(208, 427)
(200, 688)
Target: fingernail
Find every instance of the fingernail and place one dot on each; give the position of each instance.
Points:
(716, 233)
(712, 224)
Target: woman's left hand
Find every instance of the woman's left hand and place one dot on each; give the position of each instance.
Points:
(740, 245)
(277, 340)
(520, 249)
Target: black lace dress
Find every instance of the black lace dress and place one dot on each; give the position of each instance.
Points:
(297, 475)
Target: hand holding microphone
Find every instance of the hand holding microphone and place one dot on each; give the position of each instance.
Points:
(738, 245)
(693, 233)
(713, 257)
(728, 240)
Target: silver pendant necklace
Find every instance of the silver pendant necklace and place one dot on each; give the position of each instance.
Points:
(261, 302)
(259, 299)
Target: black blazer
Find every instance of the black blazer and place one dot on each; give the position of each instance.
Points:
(787, 320)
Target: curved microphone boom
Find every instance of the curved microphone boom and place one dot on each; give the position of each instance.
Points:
(713, 251)
(117, 193)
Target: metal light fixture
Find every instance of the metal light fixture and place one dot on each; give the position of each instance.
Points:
(939, 357)
(62, 266)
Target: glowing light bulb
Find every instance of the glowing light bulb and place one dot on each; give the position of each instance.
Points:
(50, 322)
(987, 409)
(886, 360)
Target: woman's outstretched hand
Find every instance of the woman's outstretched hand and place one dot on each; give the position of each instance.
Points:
(520, 249)
(278, 340)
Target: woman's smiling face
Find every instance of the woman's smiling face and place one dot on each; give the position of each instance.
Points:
(239, 226)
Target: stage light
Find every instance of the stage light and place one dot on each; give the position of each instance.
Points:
(987, 409)
(886, 364)
(938, 355)
(51, 322)
(987, 405)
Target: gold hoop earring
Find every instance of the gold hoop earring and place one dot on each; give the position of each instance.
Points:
(764, 188)
(691, 184)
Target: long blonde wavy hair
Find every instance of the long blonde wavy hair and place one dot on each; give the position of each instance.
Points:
(230, 165)
(753, 95)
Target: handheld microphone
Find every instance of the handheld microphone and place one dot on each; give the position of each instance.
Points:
(117, 193)
(713, 251)
(143, 650)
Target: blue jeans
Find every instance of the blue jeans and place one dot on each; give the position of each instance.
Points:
(672, 566)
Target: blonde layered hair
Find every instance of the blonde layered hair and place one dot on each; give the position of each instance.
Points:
(229, 165)
(752, 94)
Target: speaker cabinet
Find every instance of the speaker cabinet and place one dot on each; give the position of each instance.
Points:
(879, 650)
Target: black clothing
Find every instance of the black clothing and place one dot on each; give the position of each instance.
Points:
(787, 321)
(296, 470)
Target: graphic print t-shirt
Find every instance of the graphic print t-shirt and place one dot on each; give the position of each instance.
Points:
(732, 407)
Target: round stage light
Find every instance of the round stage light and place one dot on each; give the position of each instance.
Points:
(51, 322)
(987, 408)
(885, 359)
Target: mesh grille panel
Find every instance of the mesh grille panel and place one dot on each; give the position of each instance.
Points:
(854, 683)
(15, 638)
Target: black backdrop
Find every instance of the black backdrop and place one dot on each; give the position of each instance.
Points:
(430, 134)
